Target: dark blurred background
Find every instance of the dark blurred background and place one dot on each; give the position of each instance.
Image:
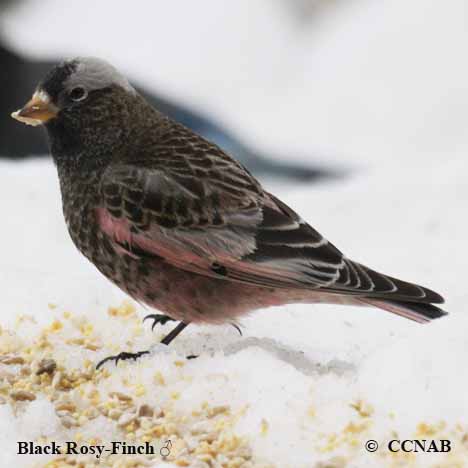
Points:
(20, 73)
(300, 89)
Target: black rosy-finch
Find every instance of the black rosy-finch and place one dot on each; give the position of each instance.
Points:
(180, 225)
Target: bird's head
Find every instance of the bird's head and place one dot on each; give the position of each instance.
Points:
(79, 101)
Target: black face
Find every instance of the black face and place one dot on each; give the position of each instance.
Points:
(62, 93)
(54, 82)
(88, 116)
(89, 111)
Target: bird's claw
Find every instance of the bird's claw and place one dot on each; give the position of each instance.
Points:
(237, 328)
(123, 356)
(158, 318)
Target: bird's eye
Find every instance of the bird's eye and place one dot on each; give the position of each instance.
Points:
(78, 94)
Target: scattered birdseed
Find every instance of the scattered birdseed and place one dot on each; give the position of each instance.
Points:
(201, 437)
(114, 414)
(264, 427)
(335, 462)
(126, 419)
(11, 360)
(65, 406)
(22, 395)
(56, 380)
(46, 366)
(212, 412)
(121, 396)
(126, 309)
(68, 421)
(145, 410)
(364, 409)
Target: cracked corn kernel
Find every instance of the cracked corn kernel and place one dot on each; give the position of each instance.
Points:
(125, 309)
(56, 326)
(22, 395)
(364, 409)
(159, 379)
(140, 390)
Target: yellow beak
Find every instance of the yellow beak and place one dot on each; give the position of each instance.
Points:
(37, 111)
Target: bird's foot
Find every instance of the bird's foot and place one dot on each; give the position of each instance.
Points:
(123, 356)
(158, 318)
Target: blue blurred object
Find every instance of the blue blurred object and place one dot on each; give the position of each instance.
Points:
(19, 76)
(255, 161)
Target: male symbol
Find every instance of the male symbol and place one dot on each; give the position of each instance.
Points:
(165, 450)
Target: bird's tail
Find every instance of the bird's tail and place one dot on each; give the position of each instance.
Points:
(417, 311)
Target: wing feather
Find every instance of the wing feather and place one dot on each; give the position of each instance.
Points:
(199, 210)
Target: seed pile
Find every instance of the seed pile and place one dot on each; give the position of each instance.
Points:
(138, 404)
(84, 404)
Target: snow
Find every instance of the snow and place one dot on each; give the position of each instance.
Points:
(380, 87)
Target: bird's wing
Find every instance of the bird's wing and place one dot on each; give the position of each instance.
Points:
(188, 223)
(215, 220)
(218, 223)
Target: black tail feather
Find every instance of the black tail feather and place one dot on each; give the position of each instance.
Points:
(417, 311)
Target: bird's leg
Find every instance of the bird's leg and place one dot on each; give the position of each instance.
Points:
(124, 355)
(169, 337)
(159, 318)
